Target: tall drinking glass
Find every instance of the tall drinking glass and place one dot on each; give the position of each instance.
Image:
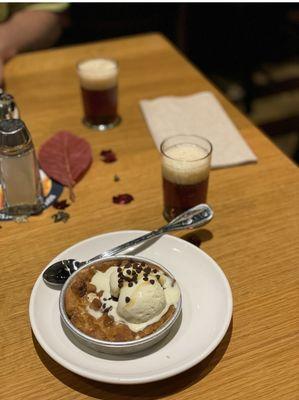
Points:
(99, 87)
(186, 163)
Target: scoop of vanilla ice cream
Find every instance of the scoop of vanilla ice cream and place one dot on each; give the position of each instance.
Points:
(114, 289)
(141, 302)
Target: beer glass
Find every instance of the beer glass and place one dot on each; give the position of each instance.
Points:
(186, 163)
(99, 85)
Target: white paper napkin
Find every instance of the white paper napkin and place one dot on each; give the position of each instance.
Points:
(198, 114)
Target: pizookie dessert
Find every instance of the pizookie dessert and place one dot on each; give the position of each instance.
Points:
(121, 300)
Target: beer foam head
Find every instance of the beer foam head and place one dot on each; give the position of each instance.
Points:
(98, 74)
(186, 164)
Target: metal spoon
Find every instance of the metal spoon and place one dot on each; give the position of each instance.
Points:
(57, 273)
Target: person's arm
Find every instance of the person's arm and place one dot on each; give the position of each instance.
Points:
(27, 30)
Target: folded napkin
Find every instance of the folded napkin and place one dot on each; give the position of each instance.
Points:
(198, 114)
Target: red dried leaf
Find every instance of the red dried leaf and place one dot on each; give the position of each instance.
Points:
(61, 204)
(108, 156)
(65, 158)
(124, 198)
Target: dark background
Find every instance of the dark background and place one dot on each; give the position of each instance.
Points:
(250, 51)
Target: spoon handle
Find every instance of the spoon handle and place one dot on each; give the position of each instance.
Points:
(195, 217)
(127, 245)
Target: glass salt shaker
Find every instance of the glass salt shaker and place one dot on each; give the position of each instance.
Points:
(19, 172)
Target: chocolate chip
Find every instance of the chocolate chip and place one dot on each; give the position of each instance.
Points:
(155, 271)
(114, 298)
(127, 299)
(120, 285)
(119, 269)
(131, 284)
(152, 281)
(147, 270)
(145, 278)
(129, 272)
(158, 276)
(95, 304)
(138, 269)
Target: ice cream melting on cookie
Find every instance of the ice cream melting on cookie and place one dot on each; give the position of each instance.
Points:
(135, 294)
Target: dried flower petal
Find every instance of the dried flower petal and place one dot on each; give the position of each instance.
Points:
(108, 156)
(124, 198)
(61, 204)
(60, 216)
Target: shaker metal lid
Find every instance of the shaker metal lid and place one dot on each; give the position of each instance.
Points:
(13, 132)
(8, 108)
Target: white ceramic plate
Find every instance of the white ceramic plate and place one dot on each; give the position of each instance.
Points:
(206, 314)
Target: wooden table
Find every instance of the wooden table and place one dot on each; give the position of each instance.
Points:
(254, 235)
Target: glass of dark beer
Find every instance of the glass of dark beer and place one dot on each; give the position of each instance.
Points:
(99, 86)
(186, 163)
